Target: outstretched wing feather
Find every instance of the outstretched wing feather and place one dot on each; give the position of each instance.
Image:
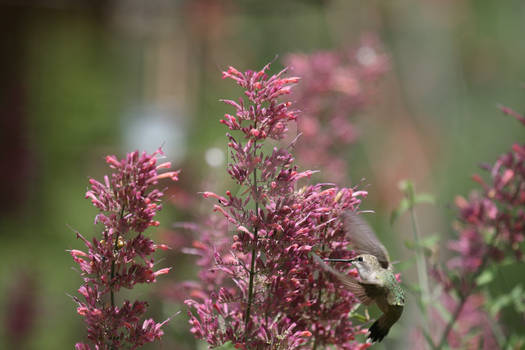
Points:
(363, 238)
(353, 285)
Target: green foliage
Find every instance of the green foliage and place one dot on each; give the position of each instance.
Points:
(428, 243)
(515, 298)
(226, 346)
(409, 200)
(485, 277)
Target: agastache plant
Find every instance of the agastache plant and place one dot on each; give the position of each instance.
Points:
(121, 256)
(490, 227)
(260, 288)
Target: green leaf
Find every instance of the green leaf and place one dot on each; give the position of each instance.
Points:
(443, 312)
(486, 277)
(416, 288)
(359, 317)
(518, 297)
(404, 205)
(424, 198)
(407, 187)
(226, 346)
(499, 303)
(428, 338)
(430, 241)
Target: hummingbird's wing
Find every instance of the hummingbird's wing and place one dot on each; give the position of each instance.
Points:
(363, 238)
(363, 292)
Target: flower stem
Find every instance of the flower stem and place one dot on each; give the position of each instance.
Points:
(316, 339)
(112, 295)
(254, 250)
(444, 336)
(112, 273)
(463, 296)
(420, 261)
(314, 347)
(421, 266)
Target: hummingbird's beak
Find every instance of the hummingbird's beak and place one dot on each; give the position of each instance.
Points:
(340, 260)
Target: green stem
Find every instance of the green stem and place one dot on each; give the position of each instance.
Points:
(420, 261)
(112, 273)
(319, 293)
(111, 293)
(254, 251)
(421, 270)
(314, 347)
(455, 316)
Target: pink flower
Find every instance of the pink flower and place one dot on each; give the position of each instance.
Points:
(128, 203)
(261, 286)
(490, 228)
(498, 211)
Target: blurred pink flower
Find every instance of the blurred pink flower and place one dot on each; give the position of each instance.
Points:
(21, 309)
(335, 86)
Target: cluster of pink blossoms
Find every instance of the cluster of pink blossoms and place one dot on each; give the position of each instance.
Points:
(491, 228)
(120, 258)
(335, 87)
(259, 287)
(493, 221)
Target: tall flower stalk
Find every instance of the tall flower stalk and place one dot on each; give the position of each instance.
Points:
(262, 290)
(121, 256)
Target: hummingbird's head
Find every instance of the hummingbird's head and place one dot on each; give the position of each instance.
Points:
(366, 265)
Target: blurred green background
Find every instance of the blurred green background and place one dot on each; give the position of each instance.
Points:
(82, 79)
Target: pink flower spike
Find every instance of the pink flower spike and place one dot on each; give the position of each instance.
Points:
(128, 204)
(290, 80)
(360, 193)
(173, 175)
(507, 176)
(213, 195)
(112, 160)
(165, 165)
(265, 261)
(162, 271)
(158, 151)
(519, 149)
(234, 71)
(75, 252)
(513, 113)
(162, 246)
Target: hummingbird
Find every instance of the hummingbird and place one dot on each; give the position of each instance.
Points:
(377, 282)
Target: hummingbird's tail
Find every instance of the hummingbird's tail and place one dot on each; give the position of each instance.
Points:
(380, 328)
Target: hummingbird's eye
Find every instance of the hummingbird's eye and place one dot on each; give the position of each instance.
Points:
(360, 258)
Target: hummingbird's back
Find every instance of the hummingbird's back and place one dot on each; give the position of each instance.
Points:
(396, 294)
